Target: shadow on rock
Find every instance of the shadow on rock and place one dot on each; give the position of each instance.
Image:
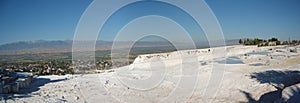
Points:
(280, 80)
(25, 92)
(287, 78)
(293, 95)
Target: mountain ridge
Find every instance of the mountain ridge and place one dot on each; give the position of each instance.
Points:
(58, 46)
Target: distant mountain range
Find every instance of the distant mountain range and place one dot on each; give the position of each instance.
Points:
(57, 46)
(36, 44)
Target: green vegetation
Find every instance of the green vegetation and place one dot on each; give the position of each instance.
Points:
(271, 42)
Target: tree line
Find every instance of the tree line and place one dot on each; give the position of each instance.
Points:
(270, 42)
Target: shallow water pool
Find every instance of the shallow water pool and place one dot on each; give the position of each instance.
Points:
(259, 53)
(231, 60)
(257, 64)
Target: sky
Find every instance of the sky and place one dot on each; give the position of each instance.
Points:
(22, 20)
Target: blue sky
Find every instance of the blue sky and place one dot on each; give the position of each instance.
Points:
(57, 19)
(258, 18)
